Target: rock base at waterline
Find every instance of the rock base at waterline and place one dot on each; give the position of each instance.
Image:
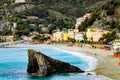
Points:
(42, 65)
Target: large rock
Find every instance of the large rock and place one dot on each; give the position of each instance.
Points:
(42, 65)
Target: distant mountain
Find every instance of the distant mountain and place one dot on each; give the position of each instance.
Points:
(106, 17)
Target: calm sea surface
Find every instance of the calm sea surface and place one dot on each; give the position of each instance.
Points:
(13, 64)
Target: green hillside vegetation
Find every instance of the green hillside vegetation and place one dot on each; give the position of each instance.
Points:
(106, 17)
(54, 14)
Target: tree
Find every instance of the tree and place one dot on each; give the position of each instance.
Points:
(40, 38)
(109, 37)
(84, 38)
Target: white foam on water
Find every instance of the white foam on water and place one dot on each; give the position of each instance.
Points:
(92, 62)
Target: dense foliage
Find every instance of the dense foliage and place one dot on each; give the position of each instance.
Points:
(106, 15)
(107, 37)
(39, 38)
(53, 14)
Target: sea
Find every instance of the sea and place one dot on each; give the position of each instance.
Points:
(14, 60)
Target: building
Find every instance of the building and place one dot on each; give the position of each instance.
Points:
(90, 33)
(71, 33)
(82, 19)
(57, 35)
(41, 25)
(13, 28)
(116, 47)
(116, 42)
(32, 25)
(66, 35)
(78, 22)
(26, 38)
(20, 1)
(97, 35)
(94, 34)
(32, 17)
(7, 38)
(79, 36)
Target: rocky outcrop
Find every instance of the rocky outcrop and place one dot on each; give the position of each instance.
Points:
(42, 65)
(22, 8)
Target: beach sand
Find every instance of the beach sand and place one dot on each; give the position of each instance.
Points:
(107, 64)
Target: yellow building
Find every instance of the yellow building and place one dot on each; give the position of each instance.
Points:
(65, 36)
(59, 36)
(90, 33)
(53, 37)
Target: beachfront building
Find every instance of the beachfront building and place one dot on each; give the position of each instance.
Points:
(116, 44)
(116, 47)
(54, 35)
(57, 35)
(79, 36)
(7, 38)
(19, 1)
(90, 32)
(71, 33)
(97, 35)
(26, 38)
(66, 35)
(94, 34)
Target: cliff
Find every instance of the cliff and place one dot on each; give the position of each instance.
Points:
(42, 65)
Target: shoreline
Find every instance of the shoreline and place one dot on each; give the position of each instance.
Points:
(106, 64)
(92, 62)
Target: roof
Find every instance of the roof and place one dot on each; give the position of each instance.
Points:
(80, 32)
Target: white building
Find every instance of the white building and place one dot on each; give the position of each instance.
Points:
(116, 44)
(19, 1)
(79, 36)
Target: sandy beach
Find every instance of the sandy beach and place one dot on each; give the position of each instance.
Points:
(107, 64)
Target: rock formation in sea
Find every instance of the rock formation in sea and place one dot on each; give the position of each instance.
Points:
(42, 65)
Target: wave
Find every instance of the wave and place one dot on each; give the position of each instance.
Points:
(92, 62)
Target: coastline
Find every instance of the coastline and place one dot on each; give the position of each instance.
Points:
(107, 64)
(92, 62)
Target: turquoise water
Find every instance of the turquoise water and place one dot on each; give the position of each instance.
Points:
(13, 64)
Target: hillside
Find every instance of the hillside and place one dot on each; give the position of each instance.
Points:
(106, 17)
(53, 14)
